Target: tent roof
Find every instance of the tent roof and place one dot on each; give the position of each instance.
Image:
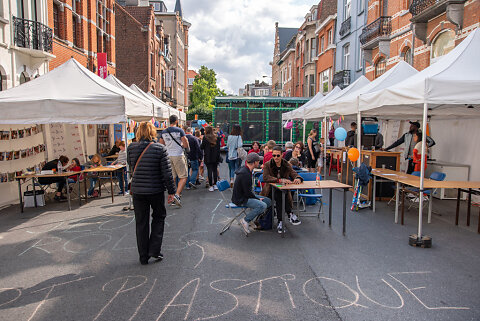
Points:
(69, 94)
(448, 86)
(348, 104)
(318, 111)
(116, 82)
(160, 110)
(299, 113)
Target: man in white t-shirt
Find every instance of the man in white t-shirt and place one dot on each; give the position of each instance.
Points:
(175, 141)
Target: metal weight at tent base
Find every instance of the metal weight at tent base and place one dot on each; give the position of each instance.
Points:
(423, 242)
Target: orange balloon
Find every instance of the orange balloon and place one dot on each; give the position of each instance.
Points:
(353, 154)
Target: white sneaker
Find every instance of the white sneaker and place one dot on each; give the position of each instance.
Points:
(279, 227)
(211, 189)
(215, 187)
(294, 219)
(244, 225)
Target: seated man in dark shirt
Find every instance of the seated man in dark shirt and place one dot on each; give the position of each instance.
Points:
(243, 194)
(115, 149)
(53, 164)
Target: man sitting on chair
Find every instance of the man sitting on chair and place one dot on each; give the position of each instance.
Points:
(243, 194)
(280, 171)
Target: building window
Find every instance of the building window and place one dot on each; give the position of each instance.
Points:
(99, 42)
(289, 71)
(443, 44)
(74, 29)
(105, 49)
(360, 58)
(322, 40)
(305, 58)
(24, 77)
(347, 7)
(361, 6)
(56, 29)
(152, 65)
(1, 82)
(407, 55)
(346, 56)
(313, 51)
(330, 36)
(324, 79)
(312, 85)
(380, 67)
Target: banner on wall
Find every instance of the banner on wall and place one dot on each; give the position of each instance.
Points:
(117, 132)
(102, 64)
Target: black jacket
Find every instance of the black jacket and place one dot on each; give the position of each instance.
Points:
(242, 188)
(195, 152)
(153, 174)
(351, 139)
(211, 154)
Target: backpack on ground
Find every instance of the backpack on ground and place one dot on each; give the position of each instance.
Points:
(265, 220)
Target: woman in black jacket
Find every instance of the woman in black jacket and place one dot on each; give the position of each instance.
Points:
(151, 176)
(211, 157)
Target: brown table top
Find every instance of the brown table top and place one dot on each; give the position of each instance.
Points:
(414, 181)
(112, 156)
(311, 185)
(64, 174)
(103, 169)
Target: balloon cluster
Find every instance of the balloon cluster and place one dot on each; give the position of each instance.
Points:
(341, 135)
(202, 123)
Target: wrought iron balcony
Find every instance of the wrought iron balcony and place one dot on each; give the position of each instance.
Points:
(379, 28)
(345, 28)
(341, 78)
(32, 35)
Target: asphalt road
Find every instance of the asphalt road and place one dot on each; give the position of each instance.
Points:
(83, 265)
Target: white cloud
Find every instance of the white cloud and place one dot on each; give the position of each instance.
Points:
(236, 38)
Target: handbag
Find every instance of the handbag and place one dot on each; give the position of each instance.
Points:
(241, 152)
(138, 161)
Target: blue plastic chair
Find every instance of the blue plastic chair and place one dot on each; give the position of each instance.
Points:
(258, 181)
(306, 195)
(223, 186)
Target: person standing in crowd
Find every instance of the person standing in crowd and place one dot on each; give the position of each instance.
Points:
(54, 165)
(115, 149)
(211, 156)
(313, 151)
(280, 171)
(299, 154)
(287, 154)
(175, 141)
(255, 148)
(407, 138)
(151, 176)
(96, 161)
(195, 156)
(234, 141)
(243, 195)
(121, 160)
(331, 135)
(199, 137)
(351, 139)
(417, 152)
(268, 151)
(378, 140)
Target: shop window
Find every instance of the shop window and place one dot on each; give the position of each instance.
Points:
(56, 21)
(380, 67)
(442, 44)
(24, 77)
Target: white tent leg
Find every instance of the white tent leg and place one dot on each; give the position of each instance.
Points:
(359, 138)
(130, 205)
(422, 171)
(304, 125)
(325, 148)
(291, 131)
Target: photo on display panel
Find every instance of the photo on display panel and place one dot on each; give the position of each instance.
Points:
(11, 177)
(3, 177)
(34, 130)
(21, 133)
(4, 135)
(23, 153)
(16, 154)
(8, 156)
(28, 132)
(2, 156)
(14, 134)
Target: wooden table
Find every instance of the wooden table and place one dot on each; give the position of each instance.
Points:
(112, 157)
(469, 187)
(335, 153)
(34, 177)
(102, 169)
(328, 184)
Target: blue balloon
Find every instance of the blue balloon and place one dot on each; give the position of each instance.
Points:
(340, 134)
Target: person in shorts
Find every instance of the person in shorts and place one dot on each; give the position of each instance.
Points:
(175, 141)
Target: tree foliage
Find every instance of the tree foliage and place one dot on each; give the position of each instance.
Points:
(204, 90)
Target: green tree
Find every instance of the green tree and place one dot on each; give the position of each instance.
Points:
(204, 90)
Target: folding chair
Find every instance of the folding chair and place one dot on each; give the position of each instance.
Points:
(305, 194)
(223, 186)
(258, 181)
(395, 188)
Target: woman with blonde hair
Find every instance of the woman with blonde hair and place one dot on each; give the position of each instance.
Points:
(151, 176)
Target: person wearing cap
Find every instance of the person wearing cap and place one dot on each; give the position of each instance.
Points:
(407, 138)
(243, 194)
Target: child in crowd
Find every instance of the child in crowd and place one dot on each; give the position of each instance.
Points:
(96, 161)
(121, 160)
(417, 152)
(74, 167)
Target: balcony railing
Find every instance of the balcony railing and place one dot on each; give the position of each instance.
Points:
(345, 28)
(418, 6)
(341, 78)
(380, 27)
(32, 35)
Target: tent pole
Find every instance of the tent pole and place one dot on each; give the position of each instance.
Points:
(325, 148)
(304, 125)
(291, 131)
(130, 207)
(359, 138)
(422, 171)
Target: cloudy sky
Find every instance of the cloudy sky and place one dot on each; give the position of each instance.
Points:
(236, 37)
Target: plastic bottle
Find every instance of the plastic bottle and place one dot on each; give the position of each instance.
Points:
(317, 179)
(60, 167)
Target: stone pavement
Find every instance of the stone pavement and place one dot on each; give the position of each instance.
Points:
(83, 265)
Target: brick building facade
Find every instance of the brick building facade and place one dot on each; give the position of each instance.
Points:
(81, 29)
(308, 41)
(136, 33)
(325, 31)
(418, 32)
(282, 74)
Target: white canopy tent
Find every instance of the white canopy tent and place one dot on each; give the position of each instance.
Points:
(316, 112)
(447, 89)
(299, 113)
(117, 83)
(160, 109)
(70, 94)
(171, 110)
